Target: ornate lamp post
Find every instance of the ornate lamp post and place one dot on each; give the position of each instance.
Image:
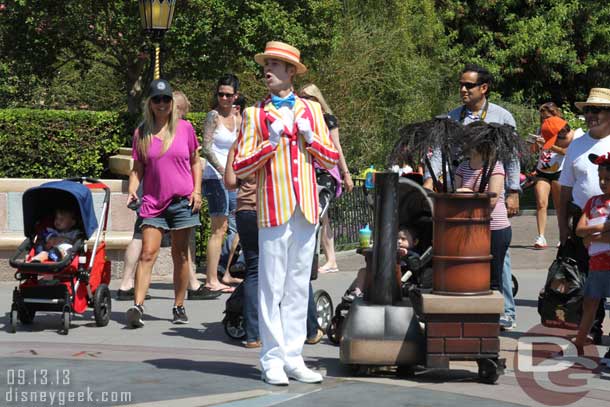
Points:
(156, 16)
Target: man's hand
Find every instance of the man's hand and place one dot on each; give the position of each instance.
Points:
(304, 127)
(512, 203)
(275, 131)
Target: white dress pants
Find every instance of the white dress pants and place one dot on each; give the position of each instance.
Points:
(284, 270)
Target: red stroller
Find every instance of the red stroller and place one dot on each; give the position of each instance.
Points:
(78, 280)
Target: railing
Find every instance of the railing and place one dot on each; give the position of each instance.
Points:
(348, 215)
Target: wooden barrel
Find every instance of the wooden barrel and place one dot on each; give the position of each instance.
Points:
(461, 243)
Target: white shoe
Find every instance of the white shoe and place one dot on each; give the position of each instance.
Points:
(540, 242)
(305, 375)
(276, 377)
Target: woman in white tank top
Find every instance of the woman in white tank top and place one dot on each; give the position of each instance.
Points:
(219, 132)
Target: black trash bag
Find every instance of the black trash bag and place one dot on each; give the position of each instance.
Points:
(560, 301)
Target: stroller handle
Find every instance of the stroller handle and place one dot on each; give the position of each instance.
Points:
(25, 247)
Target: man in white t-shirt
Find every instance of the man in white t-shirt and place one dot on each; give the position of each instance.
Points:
(579, 180)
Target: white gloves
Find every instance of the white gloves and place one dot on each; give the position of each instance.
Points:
(275, 131)
(304, 127)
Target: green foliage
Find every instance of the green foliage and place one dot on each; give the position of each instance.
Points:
(58, 144)
(207, 38)
(382, 74)
(538, 50)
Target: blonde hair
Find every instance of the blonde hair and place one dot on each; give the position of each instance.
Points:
(312, 90)
(187, 104)
(145, 131)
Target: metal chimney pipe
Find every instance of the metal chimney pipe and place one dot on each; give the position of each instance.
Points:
(382, 286)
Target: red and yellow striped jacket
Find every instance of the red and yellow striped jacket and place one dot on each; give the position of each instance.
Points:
(285, 173)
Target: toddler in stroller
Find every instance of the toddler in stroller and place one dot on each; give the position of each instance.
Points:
(53, 243)
(70, 281)
(414, 252)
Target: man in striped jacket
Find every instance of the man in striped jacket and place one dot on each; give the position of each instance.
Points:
(279, 140)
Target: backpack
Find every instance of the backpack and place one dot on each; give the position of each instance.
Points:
(560, 301)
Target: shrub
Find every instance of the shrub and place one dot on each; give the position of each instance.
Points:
(58, 144)
(61, 144)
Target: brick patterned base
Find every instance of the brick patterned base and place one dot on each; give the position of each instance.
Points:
(461, 337)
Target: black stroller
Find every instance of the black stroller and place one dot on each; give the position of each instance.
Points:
(415, 212)
(233, 320)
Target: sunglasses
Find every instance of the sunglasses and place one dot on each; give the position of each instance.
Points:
(563, 133)
(594, 109)
(469, 85)
(157, 99)
(225, 95)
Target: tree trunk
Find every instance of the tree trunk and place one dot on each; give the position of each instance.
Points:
(134, 86)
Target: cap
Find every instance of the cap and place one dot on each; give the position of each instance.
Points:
(550, 130)
(159, 87)
(603, 159)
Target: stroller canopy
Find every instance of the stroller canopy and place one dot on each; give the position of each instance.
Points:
(415, 210)
(41, 202)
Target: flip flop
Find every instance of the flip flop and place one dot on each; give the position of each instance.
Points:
(226, 290)
(325, 270)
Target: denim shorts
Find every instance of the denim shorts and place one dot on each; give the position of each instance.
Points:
(137, 233)
(597, 284)
(220, 201)
(178, 215)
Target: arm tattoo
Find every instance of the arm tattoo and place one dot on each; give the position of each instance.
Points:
(211, 121)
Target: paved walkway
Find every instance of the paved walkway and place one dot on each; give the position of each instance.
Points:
(198, 365)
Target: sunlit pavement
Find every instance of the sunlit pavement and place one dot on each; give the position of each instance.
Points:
(198, 365)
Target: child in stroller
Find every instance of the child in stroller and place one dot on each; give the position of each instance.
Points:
(53, 243)
(81, 276)
(414, 251)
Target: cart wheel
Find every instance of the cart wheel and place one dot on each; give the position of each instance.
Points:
(13, 321)
(488, 371)
(102, 305)
(65, 319)
(361, 370)
(334, 329)
(324, 308)
(515, 284)
(234, 327)
(405, 371)
(25, 314)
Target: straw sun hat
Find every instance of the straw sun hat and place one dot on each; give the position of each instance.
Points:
(283, 52)
(597, 97)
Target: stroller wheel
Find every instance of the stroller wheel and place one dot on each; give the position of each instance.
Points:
(13, 321)
(324, 308)
(102, 305)
(515, 284)
(26, 315)
(234, 326)
(65, 319)
(334, 329)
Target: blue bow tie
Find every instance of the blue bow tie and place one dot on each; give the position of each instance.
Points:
(279, 102)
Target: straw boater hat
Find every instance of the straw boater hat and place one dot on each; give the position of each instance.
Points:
(597, 97)
(283, 52)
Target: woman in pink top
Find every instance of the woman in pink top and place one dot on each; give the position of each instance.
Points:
(166, 162)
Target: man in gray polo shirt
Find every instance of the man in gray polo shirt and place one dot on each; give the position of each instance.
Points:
(475, 82)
